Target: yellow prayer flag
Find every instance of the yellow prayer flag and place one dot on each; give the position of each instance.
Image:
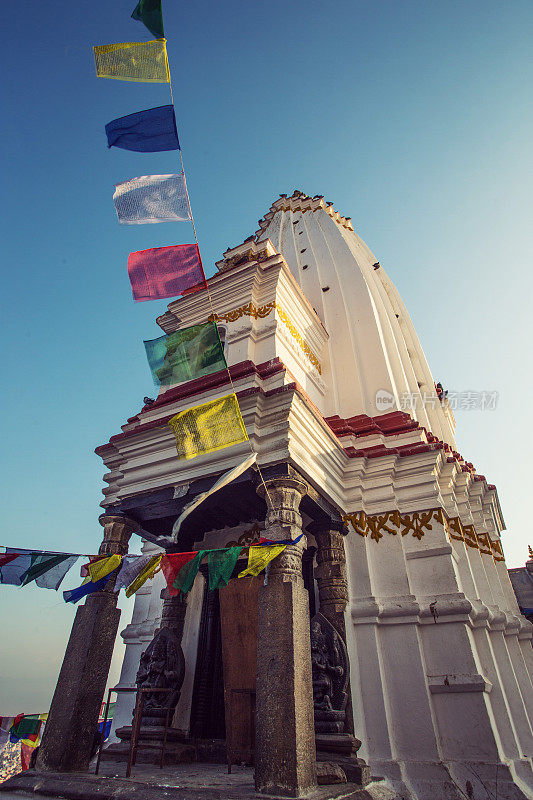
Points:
(258, 558)
(148, 572)
(32, 743)
(211, 426)
(145, 62)
(102, 567)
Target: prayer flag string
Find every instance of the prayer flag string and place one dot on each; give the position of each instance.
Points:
(179, 569)
(171, 271)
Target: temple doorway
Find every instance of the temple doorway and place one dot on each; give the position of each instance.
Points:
(223, 702)
(223, 705)
(238, 620)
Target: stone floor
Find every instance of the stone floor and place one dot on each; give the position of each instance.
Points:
(183, 776)
(183, 782)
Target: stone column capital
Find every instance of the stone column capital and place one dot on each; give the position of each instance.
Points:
(117, 531)
(283, 496)
(273, 487)
(111, 519)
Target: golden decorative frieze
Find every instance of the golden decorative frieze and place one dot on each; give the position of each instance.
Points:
(417, 523)
(260, 312)
(462, 533)
(497, 550)
(249, 310)
(394, 522)
(302, 343)
(484, 543)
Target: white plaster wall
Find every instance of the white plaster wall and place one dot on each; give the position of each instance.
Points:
(373, 345)
(437, 702)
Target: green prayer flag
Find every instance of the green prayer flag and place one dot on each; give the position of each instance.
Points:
(149, 13)
(221, 564)
(28, 726)
(185, 354)
(185, 577)
(41, 563)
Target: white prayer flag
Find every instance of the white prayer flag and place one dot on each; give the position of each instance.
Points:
(152, 198)
(132, 566)
(224, 479)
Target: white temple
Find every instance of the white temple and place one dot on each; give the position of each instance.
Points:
(323, 353)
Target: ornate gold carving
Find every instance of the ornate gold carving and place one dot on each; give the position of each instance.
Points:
(470, 536)
(418, 523)
(465, 533)
(455, 529)
(484, 543)
(260, 312)
(249, 310)
(303, 344)
(393, 522)
(248, 537)
(530, 551)
(497, 551)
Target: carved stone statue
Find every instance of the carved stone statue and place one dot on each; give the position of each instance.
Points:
(162, 665)
(330, 676)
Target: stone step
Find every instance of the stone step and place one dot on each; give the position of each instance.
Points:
(149, 753)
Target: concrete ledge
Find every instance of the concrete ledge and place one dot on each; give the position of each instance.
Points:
(82, 786)
(444, 684)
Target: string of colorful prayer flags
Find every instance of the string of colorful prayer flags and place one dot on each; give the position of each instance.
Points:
(20, 567)
(164, 272)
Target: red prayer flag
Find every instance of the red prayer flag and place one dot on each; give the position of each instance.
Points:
(171, 565)
(165, 272)
(16, 721)
(25, 755)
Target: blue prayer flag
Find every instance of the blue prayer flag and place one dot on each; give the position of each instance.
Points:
(73, 595)
(145, 131)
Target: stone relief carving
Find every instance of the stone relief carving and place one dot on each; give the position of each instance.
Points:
(330, 676)
(162, 666)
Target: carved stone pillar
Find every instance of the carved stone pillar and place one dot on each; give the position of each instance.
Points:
(332, 696)
(285, 756)
(72, 723)
(331, 572)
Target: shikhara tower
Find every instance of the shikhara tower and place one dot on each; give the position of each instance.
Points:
(322, 351)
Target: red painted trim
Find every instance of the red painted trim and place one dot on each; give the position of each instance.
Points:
(199, 385)
(263, 370)
(394, 423)
(362, 425)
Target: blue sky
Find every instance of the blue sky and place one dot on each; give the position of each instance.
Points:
(414, 118)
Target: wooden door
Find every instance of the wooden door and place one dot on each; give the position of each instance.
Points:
(238, 620)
